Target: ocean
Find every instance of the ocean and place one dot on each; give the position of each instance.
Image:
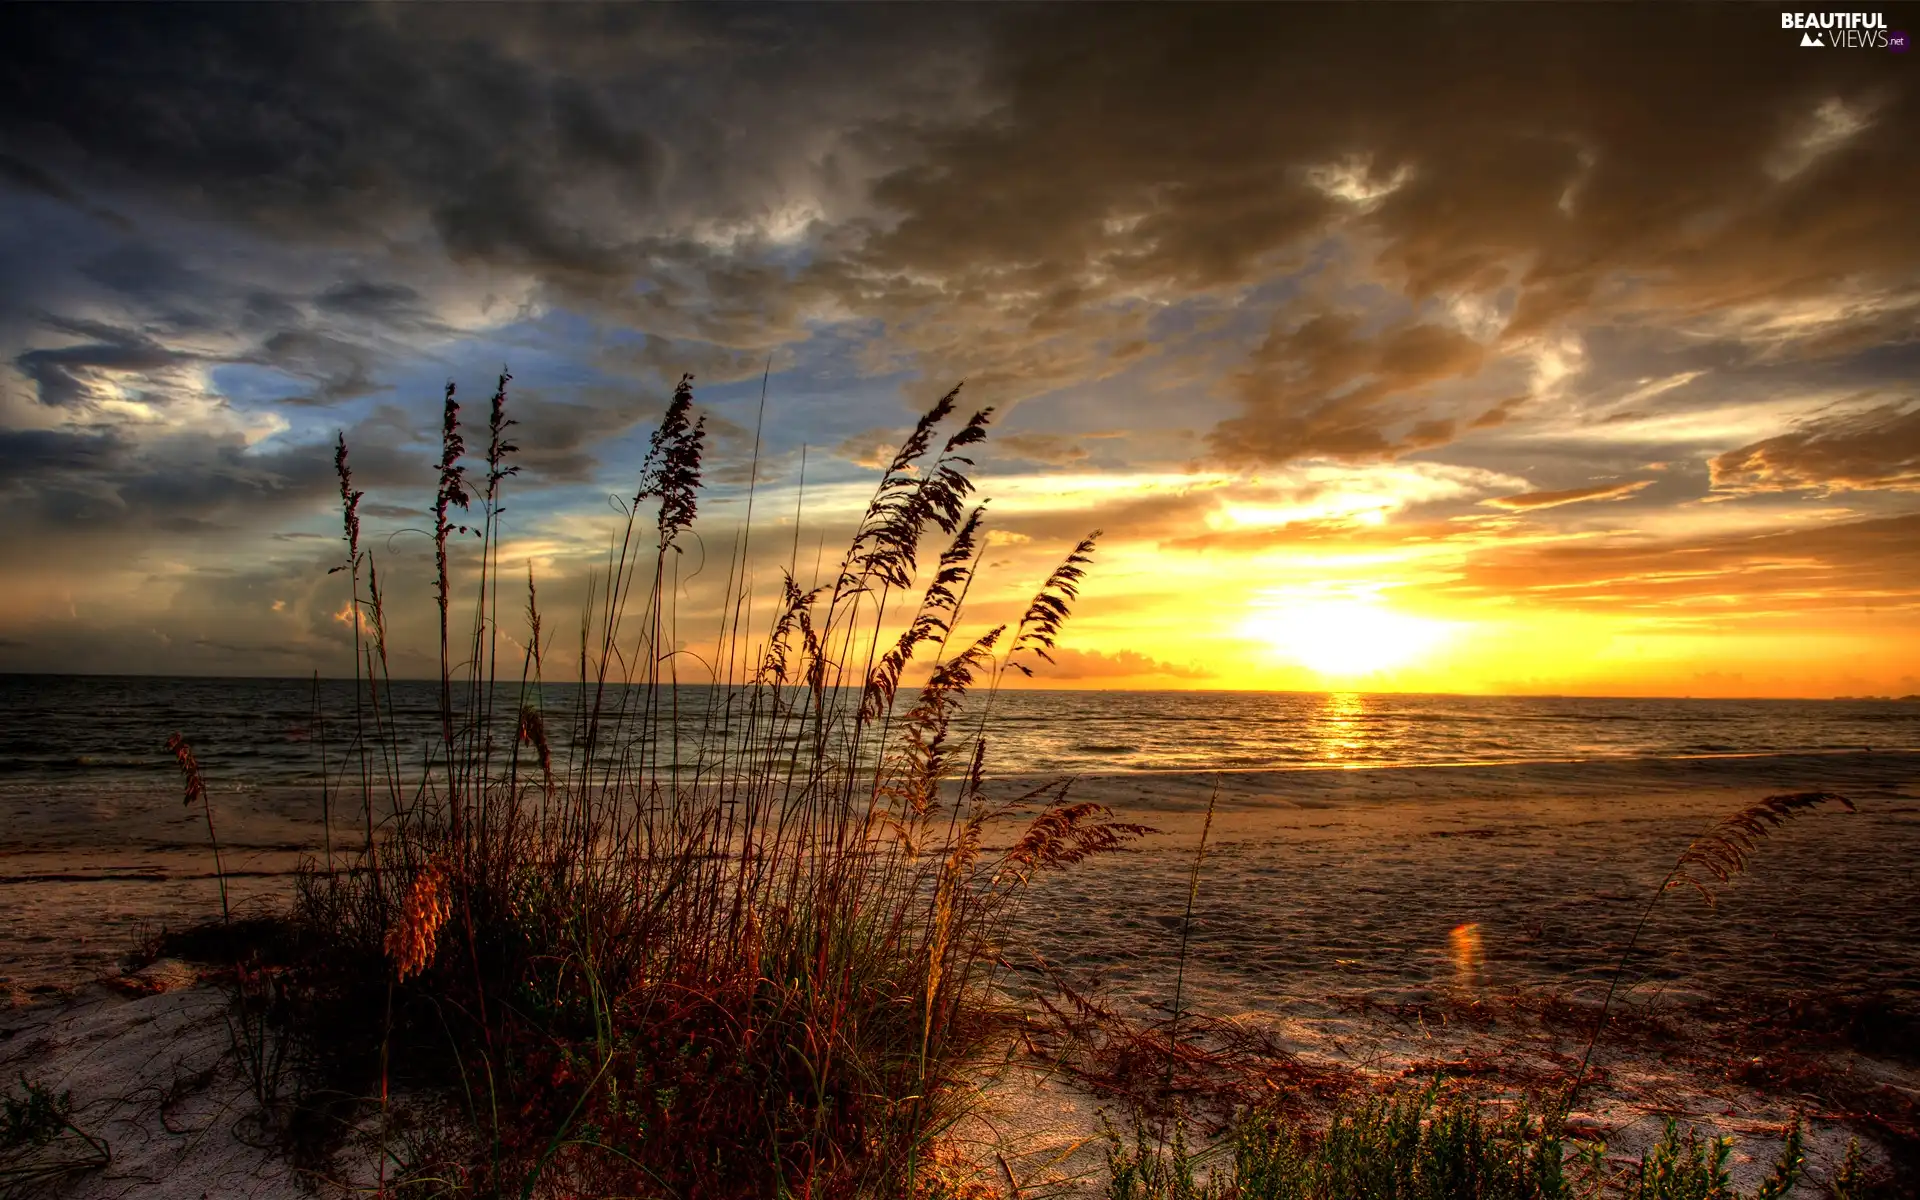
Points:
(85, 732)
(1356, 830)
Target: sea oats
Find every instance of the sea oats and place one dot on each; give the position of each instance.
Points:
(415, 933)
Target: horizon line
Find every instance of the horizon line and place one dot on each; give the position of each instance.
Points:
(1025, 685)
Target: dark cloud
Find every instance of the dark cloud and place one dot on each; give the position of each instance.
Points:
(1329, 388)
(25, 175)
(338, 367)
(1558, 162)
(68, 376)
(559, 440)
(1874, 450)
(392, 512)
(1529, 501)
(335, 340)
(664, 360)
(279, 107)
(76, 494)
(368, 299)
(635, 163)
(582, 146)
(27, 453)
(1499, 414)
(1050, 449)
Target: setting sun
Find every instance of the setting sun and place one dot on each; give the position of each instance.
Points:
(1345, 638)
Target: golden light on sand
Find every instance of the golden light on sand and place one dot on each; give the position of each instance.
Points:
(1345, 638)
(1466, 952)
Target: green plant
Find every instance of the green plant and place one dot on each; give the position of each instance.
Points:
(1683, 1169)
(1419, 1146)
(257, 1041)
(1853, 1179)
(39, 1141)
(1158, 1167)
(35, 1117)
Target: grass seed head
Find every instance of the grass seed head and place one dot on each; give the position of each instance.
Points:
(414, 936)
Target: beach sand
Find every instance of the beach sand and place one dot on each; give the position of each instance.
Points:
(1464, 923)
(1377, 925)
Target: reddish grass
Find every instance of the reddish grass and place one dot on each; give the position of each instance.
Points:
(757, 962)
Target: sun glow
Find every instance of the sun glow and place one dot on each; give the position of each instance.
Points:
(1345, 638)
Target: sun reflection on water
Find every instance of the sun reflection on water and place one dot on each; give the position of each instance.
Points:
(1338, 731)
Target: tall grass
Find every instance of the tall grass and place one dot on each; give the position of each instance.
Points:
(194, 788)
(734, 942)
(1724, 850)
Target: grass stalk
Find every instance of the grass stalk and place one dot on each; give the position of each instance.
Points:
(738, 946)
(1716, 856)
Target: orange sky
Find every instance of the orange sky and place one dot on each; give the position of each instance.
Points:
(1469, 349)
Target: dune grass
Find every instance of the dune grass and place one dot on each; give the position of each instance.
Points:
(1719, 854)
(644, 951)
(41, 1144)
(1419, 1146)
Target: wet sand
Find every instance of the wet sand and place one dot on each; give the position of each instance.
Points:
(1463, 923)
(1402, 923)
(1317, 883)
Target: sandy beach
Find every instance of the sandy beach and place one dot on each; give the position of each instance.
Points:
(1375, 925)
(1352, 882)
(1463, 923)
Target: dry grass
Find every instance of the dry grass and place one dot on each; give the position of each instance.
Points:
(1725, 850)
(1720, 853)
(1208, 1068)
(743, 950)
(194, 788)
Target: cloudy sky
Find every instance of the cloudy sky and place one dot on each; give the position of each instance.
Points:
(1505, 348)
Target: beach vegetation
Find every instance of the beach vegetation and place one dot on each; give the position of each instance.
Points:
(1425, 1146)
(40, 1142)
(1718, 855)
(744, 938)
(736, 940)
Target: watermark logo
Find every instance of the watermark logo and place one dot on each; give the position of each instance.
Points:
(1844, 31)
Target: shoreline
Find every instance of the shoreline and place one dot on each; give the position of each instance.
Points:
(1324, 953)
(72, 887)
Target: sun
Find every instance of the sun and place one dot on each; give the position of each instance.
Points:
(1345, 638)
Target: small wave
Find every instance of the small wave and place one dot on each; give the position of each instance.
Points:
(134, 876)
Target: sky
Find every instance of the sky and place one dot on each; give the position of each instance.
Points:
(1509, 349)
